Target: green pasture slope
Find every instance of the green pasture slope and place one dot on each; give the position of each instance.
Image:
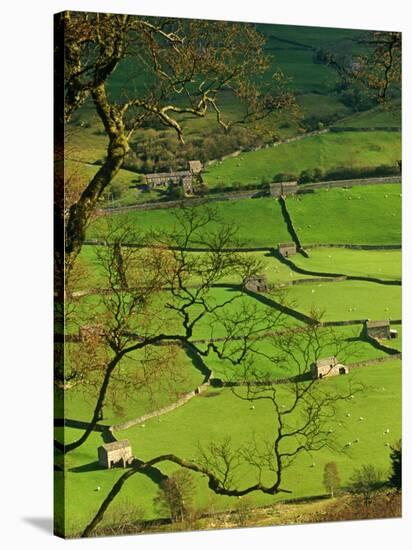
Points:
(259, 222)
(325, 151)
(369, 214)
(383, 264)
(347, 300)
(211, 417)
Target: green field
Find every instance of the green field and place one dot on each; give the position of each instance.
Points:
(327, 151)
(162, 381)
(376, 211)
(210, 418)
(384, 264)
(348, 300)
(375, 118)
(264, 215)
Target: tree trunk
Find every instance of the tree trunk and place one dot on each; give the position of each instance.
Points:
(81, 212)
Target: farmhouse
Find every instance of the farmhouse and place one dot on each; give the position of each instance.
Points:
(327, 367)
(378, 329)
(284, 188)
(110, 453)
(183, 177)
(257, 283)
(287, 249)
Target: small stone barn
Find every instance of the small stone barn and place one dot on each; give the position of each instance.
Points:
(118, 451)
(378, 329)
(287, 249)
(257, 283)
(284, 188)
(328, 366)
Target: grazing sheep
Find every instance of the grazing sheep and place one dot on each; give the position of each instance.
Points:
(143, 425)
(347, 414)
(387, 430)
(348, 444)
(361, 418)
(252, 408)
(98, 488)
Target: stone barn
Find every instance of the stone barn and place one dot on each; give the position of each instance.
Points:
(378, 329)
(118, 451)
(283, 189)
(327, 367)
(257, 283)
(287, 249)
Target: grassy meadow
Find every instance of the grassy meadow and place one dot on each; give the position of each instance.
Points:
(326, 151)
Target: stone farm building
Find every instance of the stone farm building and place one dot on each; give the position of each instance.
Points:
(284, 188)
(118, 451)
(328, 366)
(378, 329)
(257, 283)
(183, 177)
(287, 249)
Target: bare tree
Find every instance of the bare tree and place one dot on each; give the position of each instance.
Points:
(180, 66)
(175, 495)
(168, 295)
(367, 482)
(331, 479)
(303, 413)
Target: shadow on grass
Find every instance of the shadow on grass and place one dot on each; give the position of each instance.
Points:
(91, 467)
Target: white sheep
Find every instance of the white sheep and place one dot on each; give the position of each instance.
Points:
(361, 418)
(98, 488)
(348, 415)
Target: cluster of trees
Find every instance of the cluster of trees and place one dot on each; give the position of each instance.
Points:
(367, 481)
(314, 175)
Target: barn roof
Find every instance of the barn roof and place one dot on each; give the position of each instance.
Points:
(377, 324)
(326, 361)
(168, 175)
(116, 445)
(284, 245)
